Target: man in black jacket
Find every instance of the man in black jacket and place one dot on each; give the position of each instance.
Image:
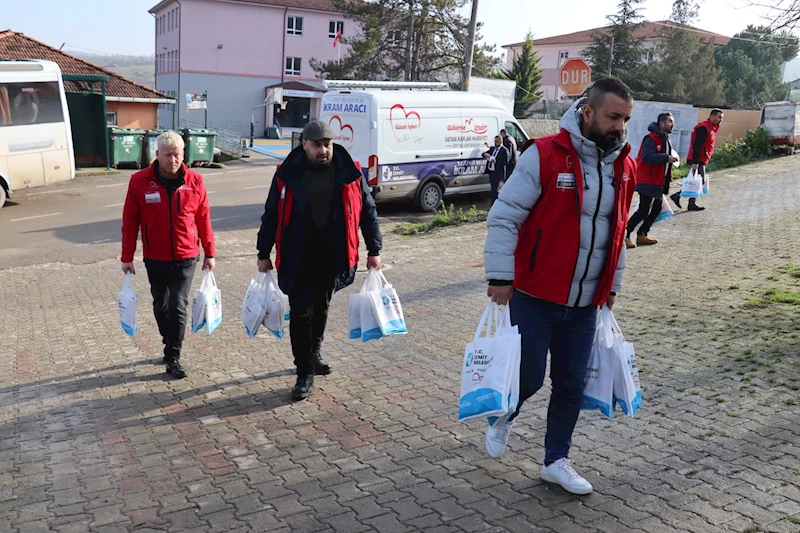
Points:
(497, 157)
(318, 199)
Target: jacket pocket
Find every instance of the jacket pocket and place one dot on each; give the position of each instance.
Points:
(535, 249)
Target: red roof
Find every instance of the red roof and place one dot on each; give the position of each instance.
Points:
(15, 45)
(651, 30)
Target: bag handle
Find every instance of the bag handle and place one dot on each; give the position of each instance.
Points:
(128, 283)
(383, 278)
(607, 330)
(483, 323)
(504, 321)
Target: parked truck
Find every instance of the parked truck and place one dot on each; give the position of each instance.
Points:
(781, 121)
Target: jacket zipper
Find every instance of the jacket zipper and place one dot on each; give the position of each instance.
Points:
(535, 249)
(281, 227)
(171, 226)
(146, 236)
(594, 231)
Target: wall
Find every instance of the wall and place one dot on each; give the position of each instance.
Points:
(134, 115)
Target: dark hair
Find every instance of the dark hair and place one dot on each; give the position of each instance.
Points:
(715, 112)
(597, 92)
(663, 117)
(503, 131)
(498, 137)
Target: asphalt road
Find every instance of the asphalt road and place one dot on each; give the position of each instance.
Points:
(79, 221)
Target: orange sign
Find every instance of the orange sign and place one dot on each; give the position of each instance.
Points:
(574, 76)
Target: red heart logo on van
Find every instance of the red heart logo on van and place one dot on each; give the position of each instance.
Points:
(405, 123)
(339, 128)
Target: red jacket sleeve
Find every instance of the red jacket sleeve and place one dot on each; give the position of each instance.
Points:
(131, 220)
(203, 221)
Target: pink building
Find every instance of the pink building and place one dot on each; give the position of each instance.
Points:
(554, 51)
(237, 51)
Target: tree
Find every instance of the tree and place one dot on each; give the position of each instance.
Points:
(616, 50)
(751, 65)
(412, 40)
(686, 71)
(784, 14)
(527, 72)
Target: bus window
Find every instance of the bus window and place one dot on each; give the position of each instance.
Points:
(30, 103)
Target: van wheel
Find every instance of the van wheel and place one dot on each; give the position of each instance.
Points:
(429, 196)
(3, 196)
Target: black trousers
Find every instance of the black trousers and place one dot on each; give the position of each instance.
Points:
(309, 301)
(495, 178)
(169, 284)
(649, 209)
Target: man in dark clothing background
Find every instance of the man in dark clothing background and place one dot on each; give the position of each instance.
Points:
(701, 148)
(497, 156)
(511, 145)
(653, 176)
(318, 199)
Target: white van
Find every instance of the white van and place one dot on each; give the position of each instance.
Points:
(419, 145)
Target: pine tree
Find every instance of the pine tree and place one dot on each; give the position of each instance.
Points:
(527, 72)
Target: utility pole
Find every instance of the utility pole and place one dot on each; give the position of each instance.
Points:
(473, 24)
(611, 55)
(409, 40)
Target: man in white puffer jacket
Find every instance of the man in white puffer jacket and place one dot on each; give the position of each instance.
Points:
(555, 252)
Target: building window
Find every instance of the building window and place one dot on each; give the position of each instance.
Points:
(647, 56)
(293, 66)
(111, 118)
(562, 57)
(294, 25)
(395, 38)
(334, 27)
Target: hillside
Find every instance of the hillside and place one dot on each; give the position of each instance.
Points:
(140, 69)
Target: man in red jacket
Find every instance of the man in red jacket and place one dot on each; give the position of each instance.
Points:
(555, 252)
(701, 148)
(168, 203)
(653, 176)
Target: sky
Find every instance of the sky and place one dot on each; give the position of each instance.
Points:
(127, 27)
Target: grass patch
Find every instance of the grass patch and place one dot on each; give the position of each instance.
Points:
(792, 270)
(783, 297)
(444, 216)
(754, 302)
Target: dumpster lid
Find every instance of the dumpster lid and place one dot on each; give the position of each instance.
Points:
(198, 131)
(126, 131)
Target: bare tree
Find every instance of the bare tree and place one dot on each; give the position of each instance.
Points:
(782, 14)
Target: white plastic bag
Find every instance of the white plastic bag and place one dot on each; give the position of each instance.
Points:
(490, 369)
(666, 210)
(598, 386)
(387, 309)
(705, 184)
(627, 389)
(254, 306)
(692, 185)
(207, 305)
(357, 301)
(127, 306)
(277, 305)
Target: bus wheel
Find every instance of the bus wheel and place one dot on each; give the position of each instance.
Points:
(3, 196)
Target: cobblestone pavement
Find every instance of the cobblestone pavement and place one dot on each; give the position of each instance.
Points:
(95, 437)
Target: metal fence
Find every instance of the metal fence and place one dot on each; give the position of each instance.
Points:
(227, 141)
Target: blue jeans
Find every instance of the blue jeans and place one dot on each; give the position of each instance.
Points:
(568, 333)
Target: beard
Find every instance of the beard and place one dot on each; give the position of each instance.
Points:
(319, 164)
(604, 140)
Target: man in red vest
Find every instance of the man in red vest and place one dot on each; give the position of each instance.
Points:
(701, 148)
(318, 200)
(653, 176)
(555, 252)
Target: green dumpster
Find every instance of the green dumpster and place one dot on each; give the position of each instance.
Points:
(150, 146)
(199, 146)
(273, 132)
(125, 146)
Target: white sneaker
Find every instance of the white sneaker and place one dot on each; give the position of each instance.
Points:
(561, 472)
(497, 438)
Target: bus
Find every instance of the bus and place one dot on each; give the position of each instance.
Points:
(35, 134)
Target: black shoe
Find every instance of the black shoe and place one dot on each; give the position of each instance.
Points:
(321, 368)
(677, 199)
(175, 369)
(695, 207)
(303, 387)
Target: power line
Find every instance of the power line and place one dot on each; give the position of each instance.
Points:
(703, 32)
